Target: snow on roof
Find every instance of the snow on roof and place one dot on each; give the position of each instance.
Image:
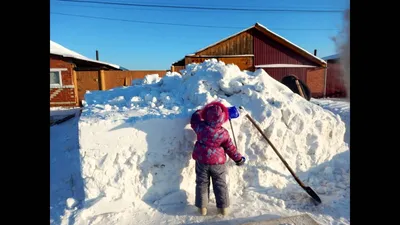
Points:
(263, 27)
(58, 49)
(221, 56)
(284, 66)
(335, 56)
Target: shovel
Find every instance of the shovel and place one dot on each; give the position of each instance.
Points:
(309, 191)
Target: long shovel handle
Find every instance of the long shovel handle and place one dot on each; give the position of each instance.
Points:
(276, 151)
(310, 191)
(233, 133)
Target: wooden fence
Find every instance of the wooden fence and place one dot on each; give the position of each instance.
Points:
(108, 79)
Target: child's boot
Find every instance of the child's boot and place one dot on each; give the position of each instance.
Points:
(203, 211)
(223, 211)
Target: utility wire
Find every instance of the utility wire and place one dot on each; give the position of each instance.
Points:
(142, 9)
(205, 8)
(145, 9)
(146, 22)
(174, 24)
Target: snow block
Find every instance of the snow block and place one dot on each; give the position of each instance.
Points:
(136, 143)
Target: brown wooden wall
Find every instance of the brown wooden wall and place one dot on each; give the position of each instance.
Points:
(268, 51)
(115, 78)
(177, 68)
(108, 79)
(244, 63)
(87, 81)
(241, 44)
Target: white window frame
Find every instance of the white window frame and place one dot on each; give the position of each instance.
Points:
(59, 74)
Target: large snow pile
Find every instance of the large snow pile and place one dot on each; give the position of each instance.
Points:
(339, 107)
(136, 143)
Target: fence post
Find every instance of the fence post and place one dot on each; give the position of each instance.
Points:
(325, 78)
(102, 81)
(75, 79)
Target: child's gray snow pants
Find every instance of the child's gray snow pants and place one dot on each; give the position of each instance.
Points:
(218, 176)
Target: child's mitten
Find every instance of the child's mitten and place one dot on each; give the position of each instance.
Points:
(233, 112)
(241, 161)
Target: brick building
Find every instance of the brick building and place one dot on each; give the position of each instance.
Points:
(63, 79)
(335, 86)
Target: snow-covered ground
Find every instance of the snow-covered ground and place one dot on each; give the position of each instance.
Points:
(65, 175)
(57, 113)
(132, 163)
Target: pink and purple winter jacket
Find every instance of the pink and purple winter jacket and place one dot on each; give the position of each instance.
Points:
(213, 140)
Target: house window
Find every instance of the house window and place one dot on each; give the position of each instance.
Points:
(55, 77)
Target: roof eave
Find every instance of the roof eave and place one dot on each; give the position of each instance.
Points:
(216, 43)
(90, 61)
(297, 48)
(332, 57)
(266, 31)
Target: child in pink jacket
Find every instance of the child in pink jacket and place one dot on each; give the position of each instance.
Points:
(212, 145)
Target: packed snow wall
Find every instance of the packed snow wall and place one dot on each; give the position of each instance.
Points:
(136, 141)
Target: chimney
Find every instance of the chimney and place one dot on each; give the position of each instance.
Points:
(97, 55)
(315, 52)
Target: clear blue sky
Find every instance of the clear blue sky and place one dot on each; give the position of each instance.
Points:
(139, 46)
